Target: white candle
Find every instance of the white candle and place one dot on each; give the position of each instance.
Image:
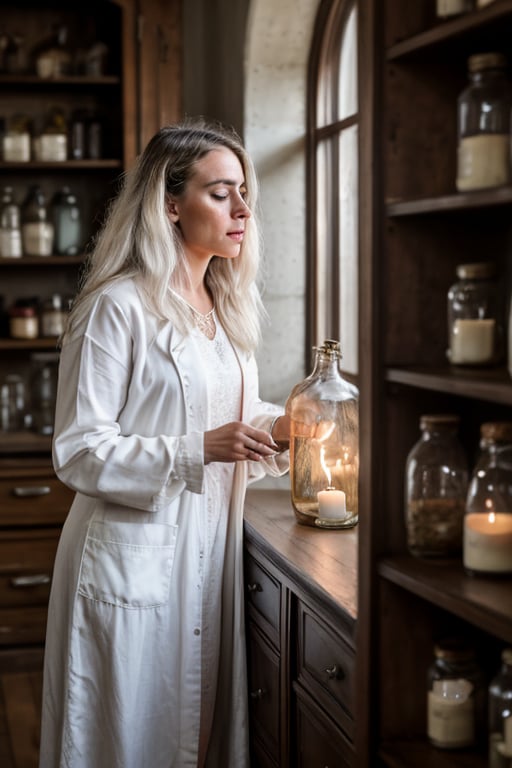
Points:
(472, 341)
(332, 503)
(488, 542)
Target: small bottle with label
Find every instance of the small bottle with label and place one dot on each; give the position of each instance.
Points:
(36, 229)
(456, 698)
(483, 122)
(67, 222)
(10, 231)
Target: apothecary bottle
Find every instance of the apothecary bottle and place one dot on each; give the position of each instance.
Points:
(475, 316)
(43, 391)
(500, 714)
(36, 230)
(324, 444)
(10, 226)
(456, 696)
(67, 222)
(436, 482)
(483, 121)
(488, 519)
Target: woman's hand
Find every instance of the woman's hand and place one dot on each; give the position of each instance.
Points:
(237, 441)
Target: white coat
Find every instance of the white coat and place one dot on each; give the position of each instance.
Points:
(123, 675)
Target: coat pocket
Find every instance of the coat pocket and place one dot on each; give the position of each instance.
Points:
(128, 564)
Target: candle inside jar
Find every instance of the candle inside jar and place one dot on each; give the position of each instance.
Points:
(332, 503)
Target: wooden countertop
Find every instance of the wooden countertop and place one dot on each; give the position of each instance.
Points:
(323, 561)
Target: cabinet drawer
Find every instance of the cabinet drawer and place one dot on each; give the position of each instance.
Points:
(26, 565)
(23, 626)
(263, 597)
(325, 667)
(264, 696)
(33, 498)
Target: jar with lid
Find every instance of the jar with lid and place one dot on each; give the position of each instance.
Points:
(36, 229)
(324, 444)
(475, 317)
(53, 57)
(500, 714)
(483, 125)
(67, 222)
(456, 696)
(16, 142)
(23, 321)
(51, 145)
(488, 519)
(10, 231)
(436, 481)
(13, 405)
(53, 316)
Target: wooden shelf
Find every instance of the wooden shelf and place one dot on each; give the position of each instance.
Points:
(65, 165)
(42, 261)
(493, 385)
(22, 344)
(485, 602)
(24, 442)
(420, 754)
(467, 201)
(445, 32)
(73, 81)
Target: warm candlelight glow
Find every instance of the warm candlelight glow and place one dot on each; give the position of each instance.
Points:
(488, 542)
(324, 466)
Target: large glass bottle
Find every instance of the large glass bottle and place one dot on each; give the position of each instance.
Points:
(324, 444)
(483, 110)
(436, 481)
(10, 223)
(36, 230)
(488, 519)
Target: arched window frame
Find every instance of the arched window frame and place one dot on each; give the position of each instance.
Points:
(327, 285)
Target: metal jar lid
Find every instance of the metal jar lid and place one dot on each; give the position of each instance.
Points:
(480, 61)
(496, 431)
(478, 270)
(439, 420)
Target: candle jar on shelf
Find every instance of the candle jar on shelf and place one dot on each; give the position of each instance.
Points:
(324, 444)
(436, 481)
(456, 696)
(488, 518)
(500, 714)
(475, 317)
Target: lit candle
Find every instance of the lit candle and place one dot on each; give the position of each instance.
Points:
(332, 503)
(472, 341)
(488, 542)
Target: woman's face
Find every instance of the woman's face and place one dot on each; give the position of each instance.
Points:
(212, 213)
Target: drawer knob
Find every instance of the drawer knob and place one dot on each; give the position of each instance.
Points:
(258, 694)
(334, 673)
(20, 582)
(254, 588)
(31, 490)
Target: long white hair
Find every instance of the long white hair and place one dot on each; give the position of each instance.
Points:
(138, 240)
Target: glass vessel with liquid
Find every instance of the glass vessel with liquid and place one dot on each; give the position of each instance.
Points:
(324, 444)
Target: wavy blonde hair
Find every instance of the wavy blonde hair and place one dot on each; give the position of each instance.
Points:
(138, 240)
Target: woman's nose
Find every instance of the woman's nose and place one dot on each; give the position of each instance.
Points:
(242, 209)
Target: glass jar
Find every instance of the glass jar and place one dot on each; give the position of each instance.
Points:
(53, 316)
(51, 145)
(446, 8)
(10, 232)
(36, 230)
(67, 222)
(488, 519)
(43, 391)
(324, 444)
(456, 698)
(23, 322)
(52, 57)
(436, 481)
(500, 714)
(475, 317)
(483, 123)
(13, 406)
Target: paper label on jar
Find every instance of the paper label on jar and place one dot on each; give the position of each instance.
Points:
(483, 161)
(451, 723)
(38, 238)
(10, 243)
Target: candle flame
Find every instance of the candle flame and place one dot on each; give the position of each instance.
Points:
(492, 517)
(324, 465)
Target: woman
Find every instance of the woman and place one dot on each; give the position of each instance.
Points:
(158, 429)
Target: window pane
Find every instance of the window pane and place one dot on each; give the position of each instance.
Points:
(347, 94)
(324, 242)
(348, 248)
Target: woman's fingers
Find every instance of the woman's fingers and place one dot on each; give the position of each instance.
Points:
(237, 441)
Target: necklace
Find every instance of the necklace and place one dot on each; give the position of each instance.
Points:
(205, 323)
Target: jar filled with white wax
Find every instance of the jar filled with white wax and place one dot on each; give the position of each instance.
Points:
(487, 535)
(483, 125)
(475, 317)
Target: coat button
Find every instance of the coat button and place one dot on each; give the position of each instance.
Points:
(197, 631)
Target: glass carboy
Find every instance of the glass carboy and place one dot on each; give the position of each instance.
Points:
(488, 519)
(324, 444)
(436, 481)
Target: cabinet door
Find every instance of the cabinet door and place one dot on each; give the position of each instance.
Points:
(264, 698)
(319, 743)
(263, 598)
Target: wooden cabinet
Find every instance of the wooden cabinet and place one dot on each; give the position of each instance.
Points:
(300, 610)
(415, 229)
